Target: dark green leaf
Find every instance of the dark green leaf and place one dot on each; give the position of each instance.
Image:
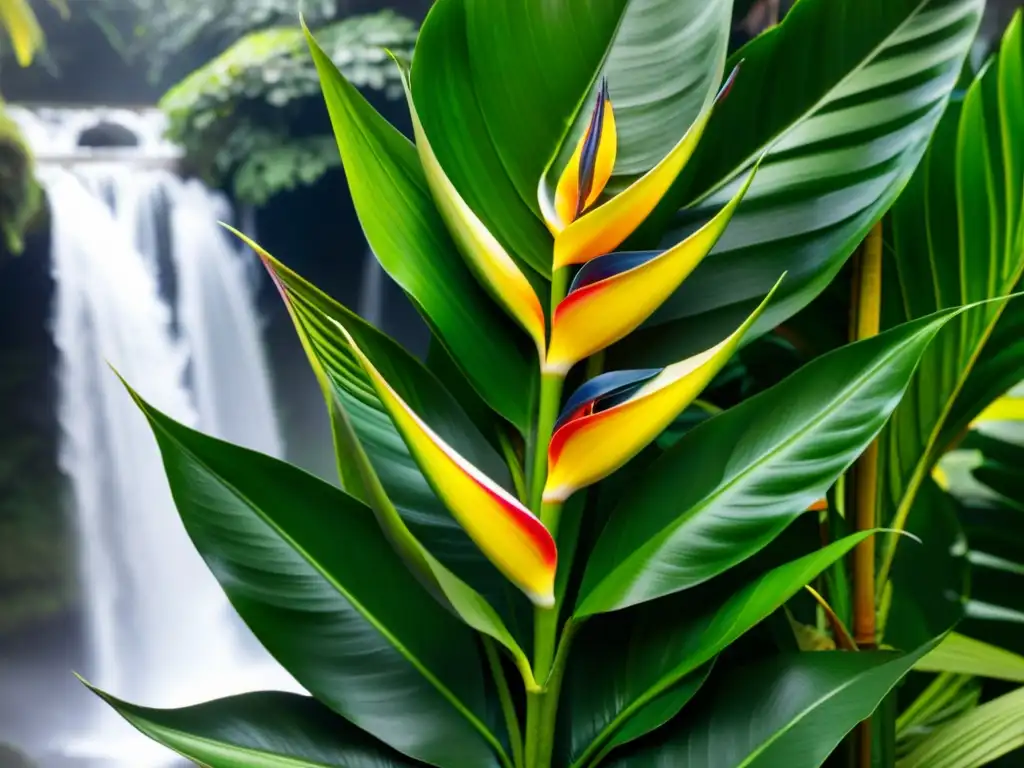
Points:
(735, 482)
(532, 65)
(787, 711)
(407, 235)
(311, 573)
(930, 575)
(845, 93)
(260, 730)
(957, 239)
(623, 689)
(447, 105)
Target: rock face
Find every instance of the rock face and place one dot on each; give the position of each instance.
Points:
(12, 758)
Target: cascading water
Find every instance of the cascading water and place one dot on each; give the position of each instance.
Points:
(147, 281)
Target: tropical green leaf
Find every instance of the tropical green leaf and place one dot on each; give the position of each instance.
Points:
(445, 98)
(622, 684)
(537, 60)
(733, 483)
(260, 730)
(946, 698)
(408, 237)
(789, 710)
(663, 65)
(994, 528)
(316, 318)
(956, 237)
(975, 738)
(931, 577)
(962, 655)
(845, 95)
(311, 573)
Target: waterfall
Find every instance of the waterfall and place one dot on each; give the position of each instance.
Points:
(147, 281)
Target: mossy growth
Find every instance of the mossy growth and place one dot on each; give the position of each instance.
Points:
(243, 118)
(20, 195)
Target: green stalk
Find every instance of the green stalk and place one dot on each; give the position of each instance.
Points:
(508, 708)
(541, 707)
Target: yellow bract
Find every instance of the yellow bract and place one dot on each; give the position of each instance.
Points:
(589, 448)
(600, 314)
(506, 532)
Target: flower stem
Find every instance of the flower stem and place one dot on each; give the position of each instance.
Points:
(550, 399)
(542, 706)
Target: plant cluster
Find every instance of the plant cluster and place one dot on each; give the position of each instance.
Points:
(540, 555)
(236, 116)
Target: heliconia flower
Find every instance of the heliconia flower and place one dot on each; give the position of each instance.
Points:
(508, 534)
(602, 228)
(612, 295)
(488, 259)
(614, 416)
(588, 170)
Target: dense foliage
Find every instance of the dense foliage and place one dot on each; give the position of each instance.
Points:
(237, 116)
(546, 551)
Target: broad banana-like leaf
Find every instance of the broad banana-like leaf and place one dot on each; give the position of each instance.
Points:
(957, 237)
(264, 730)
(493, 266)
(976, 738)
(734, 482)
(594, 438)
(844, 127)
(602, 229)
(617, 691)
(791, 710)
(310, 571)
(612, 295)
(505, 530)
(413, 245)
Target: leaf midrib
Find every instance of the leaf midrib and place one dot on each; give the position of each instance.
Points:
(793, 722)
(764, 458)
(360, 608)
(284, 760)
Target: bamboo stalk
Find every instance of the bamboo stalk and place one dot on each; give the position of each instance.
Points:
(866, 306)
